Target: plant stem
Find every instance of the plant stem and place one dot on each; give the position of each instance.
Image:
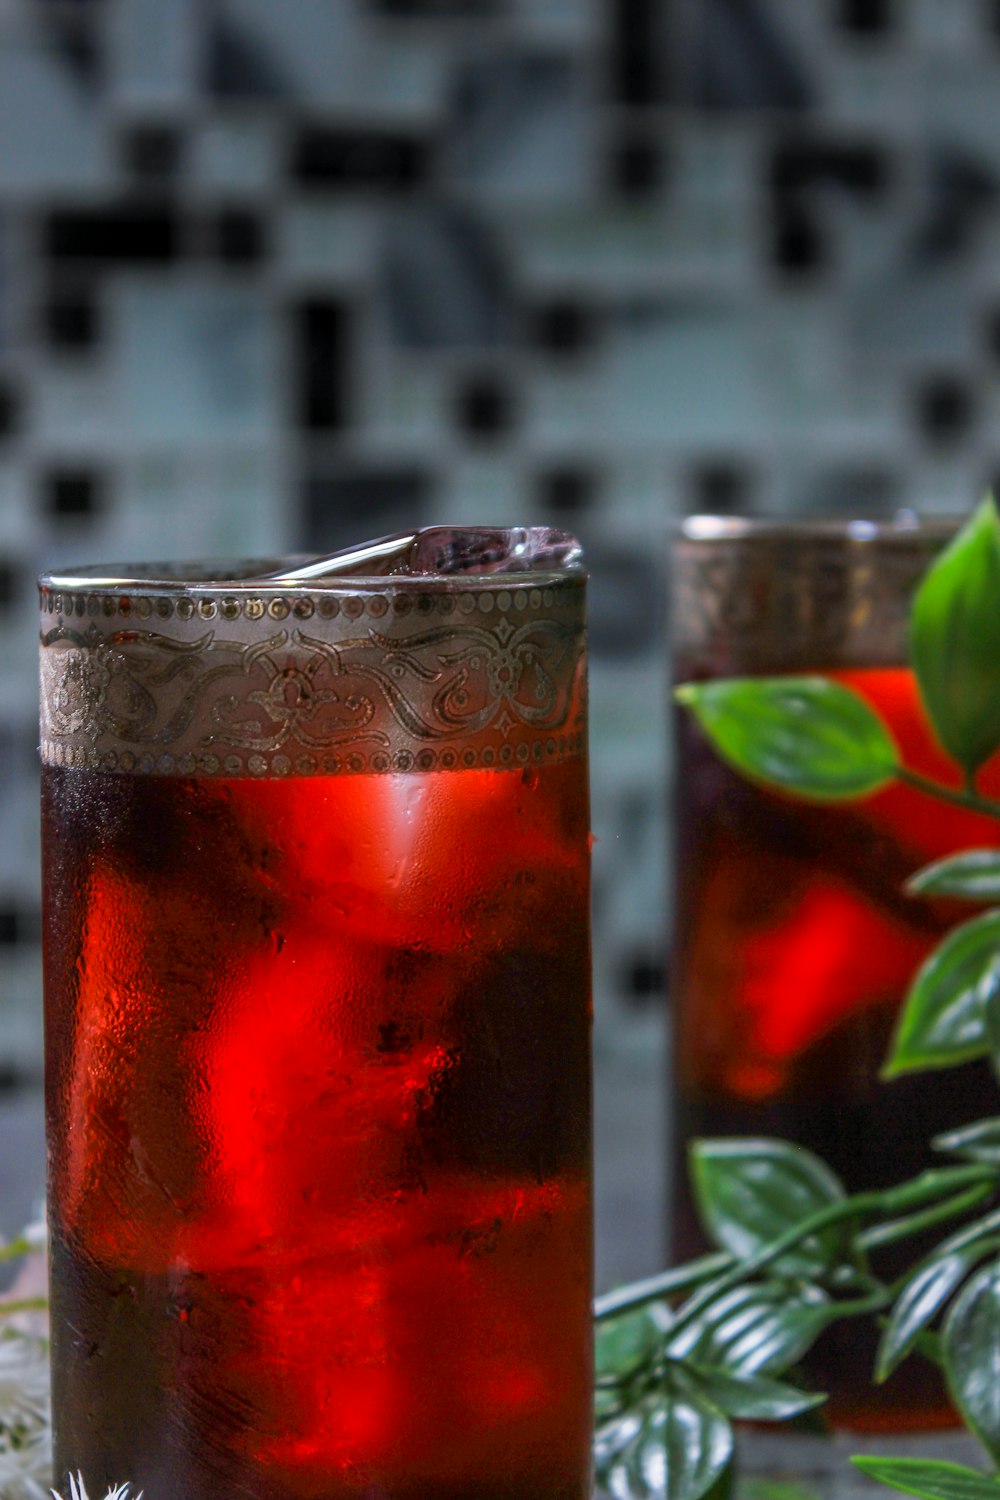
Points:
(655, 1288)
(966, 798)
(879, 1297)
(902, 1229)
(891, 1200)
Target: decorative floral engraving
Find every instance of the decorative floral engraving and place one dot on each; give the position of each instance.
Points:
(418, 697)
(793, 601)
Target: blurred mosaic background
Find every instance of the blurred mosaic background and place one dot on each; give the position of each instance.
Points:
(284, 274)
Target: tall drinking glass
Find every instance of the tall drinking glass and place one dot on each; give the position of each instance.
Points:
(794, 940)
(317, 986)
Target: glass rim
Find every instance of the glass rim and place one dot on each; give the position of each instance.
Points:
(905, 525)
(249, 576)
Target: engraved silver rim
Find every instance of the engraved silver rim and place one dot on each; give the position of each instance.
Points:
(130, 578)
(904, 527)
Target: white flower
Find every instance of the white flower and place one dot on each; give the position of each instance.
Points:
(78, 1491)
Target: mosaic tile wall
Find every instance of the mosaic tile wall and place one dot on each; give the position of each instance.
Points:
(284, 275)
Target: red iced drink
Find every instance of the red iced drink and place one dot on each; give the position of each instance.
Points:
(318, 1064)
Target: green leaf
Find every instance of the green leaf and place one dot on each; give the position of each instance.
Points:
(673, 1447)
(955, 641)
(977, 1142)
(625, 1344)
(920, 1300)
(933, 1479)
(764, 1327)
(942, 1020)
(752, 1397)
(683, 1449)
(973, 875)
(988, 994)
(803, 734)
(971, 1345)
(749, 1191)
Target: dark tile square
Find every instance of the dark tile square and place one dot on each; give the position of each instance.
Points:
(237, 236)
(484, 406)
(563, 327)
(861, 166)
(645, 978)
(945, 408)
(8, 582)
(11, 411)
(325, 156)
(152, 151)
(321, 355)
(637, 167)
(636, 63)
(798, 245)
(121, 234)
(71, 320)
(566, 490)
(73, 493)
(18, 924)
(721, 486)
(867, 17)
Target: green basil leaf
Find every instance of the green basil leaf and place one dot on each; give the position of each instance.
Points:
(681, 1449)
(803, 734)
(955, 641)
(942, 1017)
(612, 1439)
(977, 1142)
(979, 1232)
(623, 1345)
(749, 1190)
(920, 1300)
(971, 1343)
(762, 1328)
(933, 1479)
(973, 875)
(988, 994)
(752, 1397)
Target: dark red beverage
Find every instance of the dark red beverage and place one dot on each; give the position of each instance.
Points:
(794, 945)
(317, 1008)
(319, 1075)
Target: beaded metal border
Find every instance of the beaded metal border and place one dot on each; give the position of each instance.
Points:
(264, 683)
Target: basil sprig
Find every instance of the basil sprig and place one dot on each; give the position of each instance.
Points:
(682, 1356)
